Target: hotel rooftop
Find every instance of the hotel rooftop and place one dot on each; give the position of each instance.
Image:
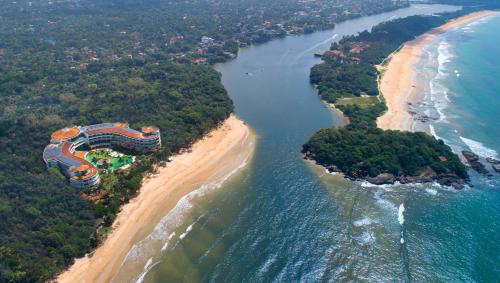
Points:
(63, 150)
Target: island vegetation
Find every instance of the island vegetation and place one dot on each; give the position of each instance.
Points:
(143, 62)
(348, 78)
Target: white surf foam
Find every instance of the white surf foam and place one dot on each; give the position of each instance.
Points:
(439, 96)
(433, 132)
(173, 220)
(188, 229)
(401, 220)
(149, 265)
(264, 268)
(438, 93)
(431, 191)
(444, 54)
(165, 246)
(479, 148)
(401, 216)
(331, 173)
(383, 203)
(363, 222)
(385, 187)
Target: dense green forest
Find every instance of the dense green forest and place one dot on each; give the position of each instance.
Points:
(360, 149)
(348, 72)
(91, 61)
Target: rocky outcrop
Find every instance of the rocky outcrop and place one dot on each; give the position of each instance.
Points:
(470, 156)
(495, 164)
(382, 179)
(426, 175)
(473, 161)
(451, 180)
(496, 167)
(445, 179)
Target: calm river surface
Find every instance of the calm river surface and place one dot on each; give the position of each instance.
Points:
(282, 219)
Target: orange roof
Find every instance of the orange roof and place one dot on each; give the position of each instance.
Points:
(111, 130)
(85, 165)
(65, 133)
(150, 129)
(80, 154)
(81, 168)
(120, 125)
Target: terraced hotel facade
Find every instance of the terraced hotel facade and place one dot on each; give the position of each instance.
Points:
(62, 151)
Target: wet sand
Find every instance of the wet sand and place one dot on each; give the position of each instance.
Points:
(209, 160)
(398, 83)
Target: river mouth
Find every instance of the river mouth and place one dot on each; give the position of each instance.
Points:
(284, 219)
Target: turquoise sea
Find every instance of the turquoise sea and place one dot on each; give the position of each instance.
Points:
(283, 219)
(462, 83)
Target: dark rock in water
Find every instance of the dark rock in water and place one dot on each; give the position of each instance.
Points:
(495, 164)
(479, 167)
(427, 175)
(382, 179)
(496, 167)
(332, 168)
(451, 180)
(470, 156)
(493, 161)
(473, 160)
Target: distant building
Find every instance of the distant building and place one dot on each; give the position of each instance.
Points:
(62, 151)
(207, 41)
(175, 39)
(200, 60)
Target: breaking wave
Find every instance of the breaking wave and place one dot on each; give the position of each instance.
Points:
(171, 221)
(479, 148)
(147, 267)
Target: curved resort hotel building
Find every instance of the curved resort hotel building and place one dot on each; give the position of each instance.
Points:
(62, 152)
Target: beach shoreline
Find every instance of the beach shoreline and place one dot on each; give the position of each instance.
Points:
(398, 80)
(209, 160)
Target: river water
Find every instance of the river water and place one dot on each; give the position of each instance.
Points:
(283, 219)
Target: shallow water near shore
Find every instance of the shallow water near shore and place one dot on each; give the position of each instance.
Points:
(284, 219)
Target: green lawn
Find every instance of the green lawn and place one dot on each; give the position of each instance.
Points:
(362, 102)
(103, 160)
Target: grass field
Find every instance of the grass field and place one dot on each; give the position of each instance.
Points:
(362, 102)
(108, 160)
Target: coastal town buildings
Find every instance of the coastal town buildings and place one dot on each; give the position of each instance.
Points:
(63, 150)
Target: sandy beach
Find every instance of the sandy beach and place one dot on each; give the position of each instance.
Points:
(209, 160)
(398, 80)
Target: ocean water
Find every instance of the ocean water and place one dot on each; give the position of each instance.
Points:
(283, 219)
(462, 85)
